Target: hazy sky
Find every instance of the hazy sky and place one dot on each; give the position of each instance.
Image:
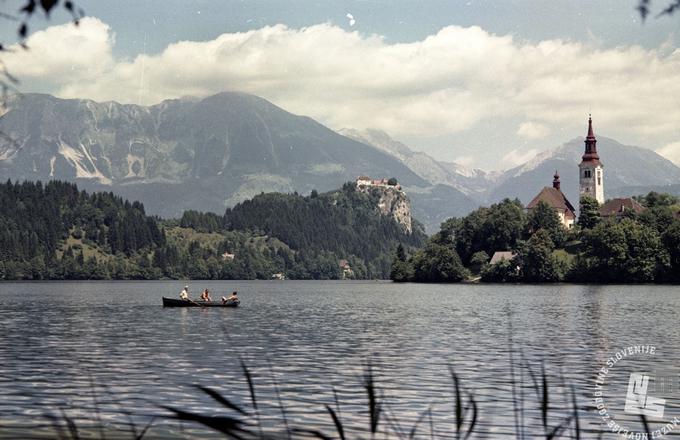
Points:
(485, 83)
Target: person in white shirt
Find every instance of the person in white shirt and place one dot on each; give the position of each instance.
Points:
(184, 294)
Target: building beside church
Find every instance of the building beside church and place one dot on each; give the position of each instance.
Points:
(591, 170)
(556, 199)
(619, 208)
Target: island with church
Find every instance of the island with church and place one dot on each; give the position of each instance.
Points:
(618, 240)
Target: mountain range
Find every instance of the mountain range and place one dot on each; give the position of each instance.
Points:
(211, 153)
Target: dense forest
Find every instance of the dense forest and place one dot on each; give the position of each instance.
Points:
(631, 248)
(56, 231)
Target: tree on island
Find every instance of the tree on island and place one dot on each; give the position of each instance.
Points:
(504, 225)
(660, 211)
(497, 227)
(402, 270)
(504, 271)
(589, 213)
(624, 251)
(438, 263)
(671, 241)
(654, 199)
(536, 260)
(543, 217)
(478, 261)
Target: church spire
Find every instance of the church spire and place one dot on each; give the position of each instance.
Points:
(556, 180)
(590, 154)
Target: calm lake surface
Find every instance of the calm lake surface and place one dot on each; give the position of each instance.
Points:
(62, 341)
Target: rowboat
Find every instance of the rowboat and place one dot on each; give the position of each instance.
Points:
(172, 302)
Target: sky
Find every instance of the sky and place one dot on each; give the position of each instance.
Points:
(487, 84)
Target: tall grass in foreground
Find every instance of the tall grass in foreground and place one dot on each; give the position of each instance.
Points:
(558, 415)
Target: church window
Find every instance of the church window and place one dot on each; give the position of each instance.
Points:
(586, 174)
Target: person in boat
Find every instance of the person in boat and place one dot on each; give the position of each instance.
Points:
(233, 297)
(184, 294)
(205, 296)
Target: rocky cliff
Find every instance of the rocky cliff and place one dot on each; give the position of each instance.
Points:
(393, 202)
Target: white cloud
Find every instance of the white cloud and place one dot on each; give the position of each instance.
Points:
(671, 152)
(445, 83)
(517, 157)
(65, 55)
(532, 130)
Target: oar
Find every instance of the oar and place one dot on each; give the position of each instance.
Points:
(194, 302)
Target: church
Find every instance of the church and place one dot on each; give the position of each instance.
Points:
(591, 183)
(591, 179)
(554, 197)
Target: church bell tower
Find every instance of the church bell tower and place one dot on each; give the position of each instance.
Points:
(591, 170)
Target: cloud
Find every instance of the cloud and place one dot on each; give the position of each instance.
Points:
(532, 130)
(65, 55)
(517, 157)
(446, 83)
(671, 152)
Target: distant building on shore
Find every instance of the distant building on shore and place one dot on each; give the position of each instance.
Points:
(499, 256)
(346, 269)
(554, 197)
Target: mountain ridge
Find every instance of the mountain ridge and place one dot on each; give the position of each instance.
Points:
(216, 151)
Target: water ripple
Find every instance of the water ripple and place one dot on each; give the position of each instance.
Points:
(109, 347)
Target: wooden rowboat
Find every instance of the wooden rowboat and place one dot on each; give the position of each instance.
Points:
(172, 302)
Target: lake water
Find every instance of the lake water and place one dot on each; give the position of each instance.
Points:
(67, 345)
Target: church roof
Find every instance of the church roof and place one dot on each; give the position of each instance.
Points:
(619, 206)
(553, 197)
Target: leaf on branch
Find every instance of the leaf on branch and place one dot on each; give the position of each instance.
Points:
(670, 9)
(29, 8)
(47, 5)
(643, 9)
